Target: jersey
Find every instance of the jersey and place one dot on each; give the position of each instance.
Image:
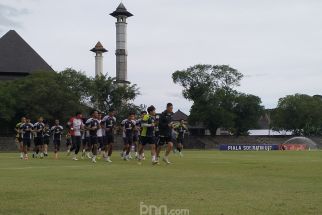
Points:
(75, 126)
(94, 124)
(26, 129)
(109, 124)
(181, 129)
(47, 132)
(128, 127)
(164, 121)
(57, 131)
(99, 132)
(39, 129)
(147, 124)
(18, 133)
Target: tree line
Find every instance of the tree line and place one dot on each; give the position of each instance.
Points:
(59, 95)
(211, 88)
(217, 104)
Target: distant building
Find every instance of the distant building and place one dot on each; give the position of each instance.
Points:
(17, 58)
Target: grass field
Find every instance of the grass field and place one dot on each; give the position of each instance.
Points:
(205, 182)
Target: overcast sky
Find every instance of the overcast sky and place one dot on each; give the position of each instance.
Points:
(276, 44)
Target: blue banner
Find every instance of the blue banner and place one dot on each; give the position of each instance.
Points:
(264, 147)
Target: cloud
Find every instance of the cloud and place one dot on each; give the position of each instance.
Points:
(9, 15)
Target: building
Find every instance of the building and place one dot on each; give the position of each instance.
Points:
(121, 14)
(98, 50)
(17, 58)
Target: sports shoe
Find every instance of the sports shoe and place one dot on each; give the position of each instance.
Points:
(94, 159)
(108, 160)
(166, 160)
(75, 159)
(88, 155)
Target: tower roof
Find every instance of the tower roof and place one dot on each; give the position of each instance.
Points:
(98, 48)
(17, 57)
(121, 10)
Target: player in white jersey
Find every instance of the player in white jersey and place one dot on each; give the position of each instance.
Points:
(76, 126)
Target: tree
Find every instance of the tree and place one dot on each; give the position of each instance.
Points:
(106, 93)
(215, 102)
(200, 81)
(299, 113)
(247, 111)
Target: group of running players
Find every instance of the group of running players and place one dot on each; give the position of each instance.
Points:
(95, 136)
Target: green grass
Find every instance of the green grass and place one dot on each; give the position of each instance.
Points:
(205, 182)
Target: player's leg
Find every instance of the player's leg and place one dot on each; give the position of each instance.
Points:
(25, 148)
(76, 144)
(109, 147)
(94, 148)
(168, 150)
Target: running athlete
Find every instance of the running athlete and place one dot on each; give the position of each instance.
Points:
(26, 130)
(165, 129)
(38, 129)
(57, 131)
(136, 138)
(181, 130)
(100, 135)
(128, 131)
(93, 125)
(19, 136)
(148, 134)
(76, 125)
(109, 123)
(46, 139)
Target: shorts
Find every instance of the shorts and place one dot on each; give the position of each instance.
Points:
(68, 142)
(180, 140)
(39, 141)
(93, 140)
(76, 140)
(109, 138)
(164, 140)
(135, 138)
(147, 140)
(46, 140)
(56, 144)
(128, 140)
(26, 142)
(100, 142)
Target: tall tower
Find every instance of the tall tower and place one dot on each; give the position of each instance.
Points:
(99, 50)
(121, 14)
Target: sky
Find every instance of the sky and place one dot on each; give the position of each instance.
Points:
(276, 44)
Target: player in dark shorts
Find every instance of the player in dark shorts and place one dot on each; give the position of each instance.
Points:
(18, 139)
(99, 133)
(148, 134)
(128, 131)
(47, 135)
(39, 138)
(26, 129)
(76, 126)
(109, 123)
(93, 125)
(57, 131)
(181, 130)
(136, 135)
(165, 128)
